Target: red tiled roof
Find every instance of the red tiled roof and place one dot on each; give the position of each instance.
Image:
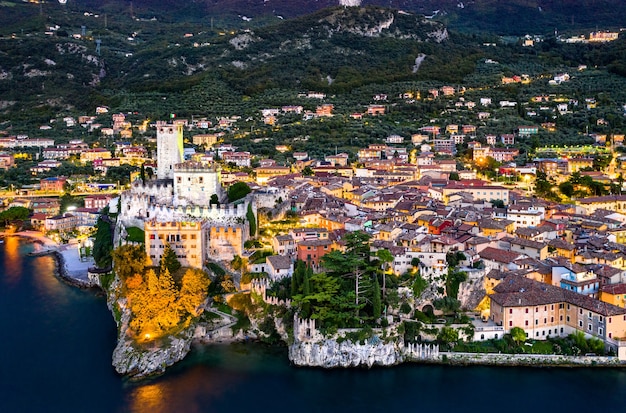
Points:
(498, 255)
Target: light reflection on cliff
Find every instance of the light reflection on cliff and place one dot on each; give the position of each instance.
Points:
(195, 390)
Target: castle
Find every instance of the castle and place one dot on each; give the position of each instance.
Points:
(175, 208)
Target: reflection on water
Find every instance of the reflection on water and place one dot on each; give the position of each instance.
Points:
(42, 267)
(196, 389)
(13, 261)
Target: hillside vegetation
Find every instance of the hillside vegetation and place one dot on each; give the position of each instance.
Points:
(158, 67)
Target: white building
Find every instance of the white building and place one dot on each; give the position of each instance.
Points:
(170, 149)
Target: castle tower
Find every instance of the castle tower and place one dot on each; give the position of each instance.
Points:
(196, 183)
(169, 149)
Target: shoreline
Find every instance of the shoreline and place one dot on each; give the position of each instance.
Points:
(47, 247)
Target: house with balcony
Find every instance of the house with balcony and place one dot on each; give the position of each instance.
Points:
(576, 278)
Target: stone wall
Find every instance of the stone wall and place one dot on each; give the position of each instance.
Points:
(329, 353)
(527, 359)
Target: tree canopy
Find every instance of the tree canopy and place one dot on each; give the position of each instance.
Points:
(158, 305)
(237, 191)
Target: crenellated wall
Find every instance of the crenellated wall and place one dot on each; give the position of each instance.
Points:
(260, 286)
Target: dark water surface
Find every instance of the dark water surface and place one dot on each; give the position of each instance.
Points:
(55, 356)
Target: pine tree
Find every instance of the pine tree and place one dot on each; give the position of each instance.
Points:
(169, 260)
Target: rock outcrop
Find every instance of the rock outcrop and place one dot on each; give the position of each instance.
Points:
(139, 362)
(329, 354)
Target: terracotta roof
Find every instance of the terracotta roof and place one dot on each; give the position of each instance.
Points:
(517, 291)
(498, 255)
(279, 262)
(527, 243)
(614, 289)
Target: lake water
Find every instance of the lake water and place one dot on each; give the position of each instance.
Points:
(57, 340)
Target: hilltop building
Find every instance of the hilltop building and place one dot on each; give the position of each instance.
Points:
(176, 208)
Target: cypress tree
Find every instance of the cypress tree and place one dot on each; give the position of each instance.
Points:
(376, 302)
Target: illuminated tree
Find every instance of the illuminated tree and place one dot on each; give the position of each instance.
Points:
(193, 290)
(169, 260)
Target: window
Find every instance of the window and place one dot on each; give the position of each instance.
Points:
(526, 323)
(589, 315)
(545, 320)
(510, 324)
(510, 311)
(580, 323)
(536, 322)
(588, 327)
(580, 311)
(601, 331)
(527, 311)
(545, 308)
(552, 319)
(567, 319)
(601, 319)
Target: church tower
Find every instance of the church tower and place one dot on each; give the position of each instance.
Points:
(169, 149)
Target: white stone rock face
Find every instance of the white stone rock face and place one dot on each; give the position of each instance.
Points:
(330, 354)
(145, 362)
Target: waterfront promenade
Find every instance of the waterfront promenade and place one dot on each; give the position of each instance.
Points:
(70, 264)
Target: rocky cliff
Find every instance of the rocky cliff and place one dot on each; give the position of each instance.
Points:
(145, 361)
(138, 361)
(329, 354)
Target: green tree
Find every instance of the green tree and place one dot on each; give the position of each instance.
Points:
(237, 191)
(419, 285)
(251, 220)
(214, 200)
(169, 261)
(14, 214)
(376, 300)
(237, 263)
(385, 258)
(448, 335)
(453, 280)
(518, 335)
(103, 243)
(566, 188)
(307, 171)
